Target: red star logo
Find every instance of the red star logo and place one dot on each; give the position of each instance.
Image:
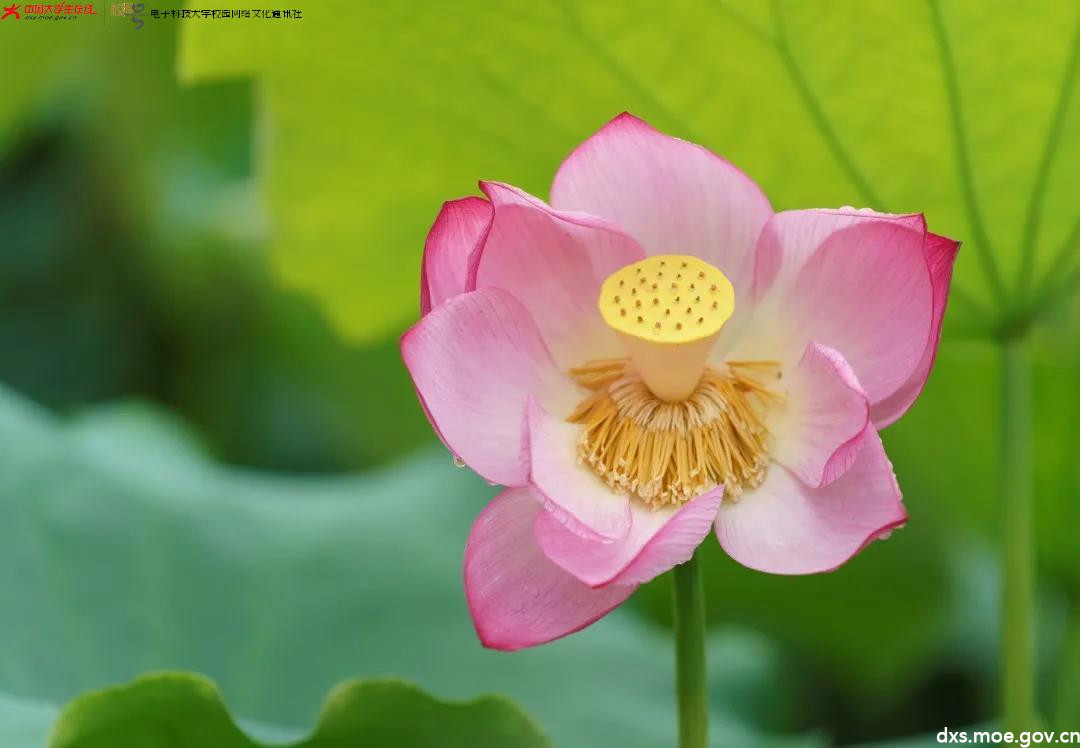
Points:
(12, 11)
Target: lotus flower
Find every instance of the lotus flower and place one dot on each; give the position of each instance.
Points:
(656, 353)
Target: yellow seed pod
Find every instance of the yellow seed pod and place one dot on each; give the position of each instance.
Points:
(668, 310)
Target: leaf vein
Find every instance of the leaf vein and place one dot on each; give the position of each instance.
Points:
(983, 246)
(622, 74)
(817, 114)
(1038, 192)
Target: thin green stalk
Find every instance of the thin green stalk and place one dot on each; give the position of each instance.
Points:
(690, 656)
(1018, 598)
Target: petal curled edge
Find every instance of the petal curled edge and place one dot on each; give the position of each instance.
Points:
(554, 263)
(517, 597)
(856, 282)
(658, 540)
(574, 497)
(819, 430)
(458, 230)
(475, 361)
(669, 194)
(940, 256)
(786, 527)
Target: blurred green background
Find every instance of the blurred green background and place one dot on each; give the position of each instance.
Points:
(211, 457)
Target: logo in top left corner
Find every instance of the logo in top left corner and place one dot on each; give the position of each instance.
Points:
(11, 11)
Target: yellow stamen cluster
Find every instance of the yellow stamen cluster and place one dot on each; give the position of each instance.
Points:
(666, 453)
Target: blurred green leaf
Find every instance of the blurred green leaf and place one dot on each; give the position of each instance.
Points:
(185, 710)
(176, 709)
(946, 449)
(34, 56)
(124, 550)
(155, 272)
(375, 113)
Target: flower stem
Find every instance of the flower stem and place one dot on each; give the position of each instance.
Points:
(690, 656)
(1018, 599)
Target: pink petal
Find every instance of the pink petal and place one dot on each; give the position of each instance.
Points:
(459, 228)
(554, 263)
(787, 527)
(658, 540)
(855, 282)
(819, 431)
(517, 597)
(474, 361)
(940, 256)
(791, 237)
(670, 195)
(574, 497)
